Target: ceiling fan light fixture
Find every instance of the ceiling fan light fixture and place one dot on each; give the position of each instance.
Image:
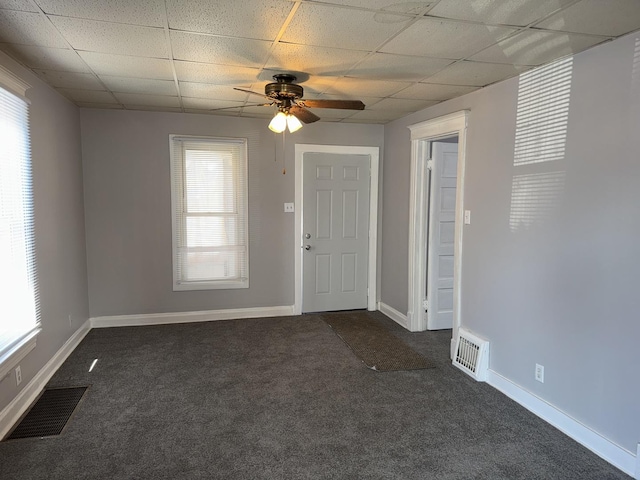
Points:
(278, 123)
(293, 123)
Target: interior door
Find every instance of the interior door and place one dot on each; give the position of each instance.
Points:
(442, 213)
(335, 229)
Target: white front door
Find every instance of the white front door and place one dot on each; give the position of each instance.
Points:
(442, 216)
(335, 227)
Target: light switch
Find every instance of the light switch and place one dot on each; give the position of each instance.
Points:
(288, 207)
(467, 217)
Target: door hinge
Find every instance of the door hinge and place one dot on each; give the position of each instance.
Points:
(425, 304)
(430, 164)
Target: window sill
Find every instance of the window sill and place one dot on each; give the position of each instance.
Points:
(14, 355)
(229, 285)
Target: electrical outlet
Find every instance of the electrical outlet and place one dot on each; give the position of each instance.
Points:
(540, 373)
(18, 375)
(288, 207)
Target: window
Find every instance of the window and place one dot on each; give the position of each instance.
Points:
(209, 203)
(20, 321)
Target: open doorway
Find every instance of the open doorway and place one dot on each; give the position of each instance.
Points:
(436, 220)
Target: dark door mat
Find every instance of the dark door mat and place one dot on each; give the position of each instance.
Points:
(378, 348)
(50, 414)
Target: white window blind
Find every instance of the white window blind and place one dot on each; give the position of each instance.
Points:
(543, 113)
(20, 320)
(209, 201)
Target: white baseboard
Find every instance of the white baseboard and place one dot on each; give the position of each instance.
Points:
(601, 446)
(188, 317)
(12, 412)
(394, 315)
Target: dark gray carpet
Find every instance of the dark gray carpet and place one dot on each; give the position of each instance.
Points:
(376, 346)
(284, 398)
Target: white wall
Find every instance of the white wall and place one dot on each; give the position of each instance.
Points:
(59, 224)
(128, 208)
(563, 293)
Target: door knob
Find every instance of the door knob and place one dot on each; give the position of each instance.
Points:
(307, 247)
(307, 236)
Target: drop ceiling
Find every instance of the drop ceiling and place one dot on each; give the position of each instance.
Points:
(398, 58)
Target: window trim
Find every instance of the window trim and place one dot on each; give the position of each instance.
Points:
(207, 284)
(25, 343)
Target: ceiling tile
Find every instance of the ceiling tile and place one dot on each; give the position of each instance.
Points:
(221, 50)
(475, 74)
(377, 115)
(445, 38)
(430, 91)
(28, 28)
(313, 60)
(216, 74)
(225, 113)
(613, 17)
(88, 96)
(402, 105)
(147, 12)
(111, 106)
(139, 85)
(387, 5)
(86, 81)
(23, 5)
(506, 12)
(207, 90)
(209, 103)
(533, 47)
(154, 108)
(47, 58)
(116, 38)
(329, 26)
(367, 88)
(138, 99)
(387, 66)
(125, 66)
(260, 19)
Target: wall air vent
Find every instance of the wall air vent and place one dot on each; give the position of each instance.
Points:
(472, 355)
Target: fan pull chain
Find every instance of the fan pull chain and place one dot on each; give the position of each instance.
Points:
(284, 170)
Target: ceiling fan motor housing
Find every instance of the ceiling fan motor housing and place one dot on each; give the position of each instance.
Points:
(284, 88)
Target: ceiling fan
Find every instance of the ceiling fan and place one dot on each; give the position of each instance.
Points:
(292, 109)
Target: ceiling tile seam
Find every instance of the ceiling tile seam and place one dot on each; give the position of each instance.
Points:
(46, 19)
(520, 30)
(285, 24)
(218, 35)
(554, 12)
(167, 36)
(111, 22)
(408, 24)
(279, 36)
(377, 49)
(564, 32)
(370, 10)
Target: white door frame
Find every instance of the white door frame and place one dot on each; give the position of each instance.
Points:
(421, 134)
(374, 155)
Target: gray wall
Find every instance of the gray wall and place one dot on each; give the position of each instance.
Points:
(128, 208)
(565, 292)
(59, 224)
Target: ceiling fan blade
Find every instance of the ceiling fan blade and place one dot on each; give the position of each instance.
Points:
(303, 114)
(344, 104)
(256, 93)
